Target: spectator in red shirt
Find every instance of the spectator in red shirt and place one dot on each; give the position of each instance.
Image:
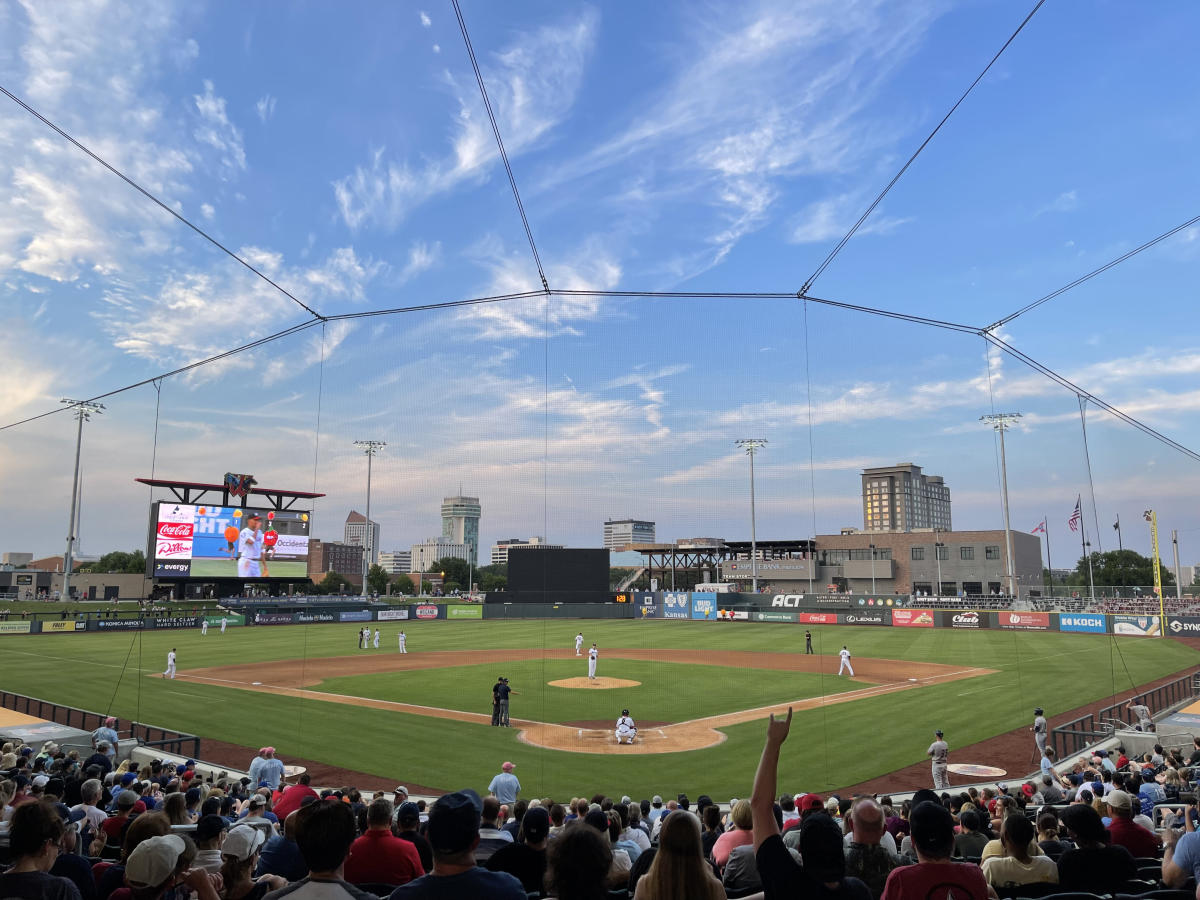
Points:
(378, 857)
(292, 796)
(1139, 841)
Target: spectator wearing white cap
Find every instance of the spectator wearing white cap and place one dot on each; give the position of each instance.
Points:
(160, 863)
(239, 856)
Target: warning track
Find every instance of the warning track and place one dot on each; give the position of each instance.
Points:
(296, 677)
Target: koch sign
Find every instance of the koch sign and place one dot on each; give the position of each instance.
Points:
(1090, 622)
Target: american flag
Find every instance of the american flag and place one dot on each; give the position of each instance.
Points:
(1076, 517)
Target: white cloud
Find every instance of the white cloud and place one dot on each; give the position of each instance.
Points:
(421, 257)
(217, 131)
(532, 85)
(265, 107)
(1067, 201)
(827, 220)
(437, 48)
(206, 210)
(425, 20)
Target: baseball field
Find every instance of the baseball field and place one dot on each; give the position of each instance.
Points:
(698, 690)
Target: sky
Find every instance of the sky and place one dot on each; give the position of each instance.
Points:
(344, 152)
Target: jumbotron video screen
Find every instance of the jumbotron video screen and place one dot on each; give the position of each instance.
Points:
(195, 541)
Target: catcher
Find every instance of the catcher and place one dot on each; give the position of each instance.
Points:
(626, 730)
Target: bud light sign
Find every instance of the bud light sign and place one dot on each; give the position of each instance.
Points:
(1089, 622)
(704, 605)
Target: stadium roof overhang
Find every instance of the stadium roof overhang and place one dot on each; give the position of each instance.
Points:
(197, 492)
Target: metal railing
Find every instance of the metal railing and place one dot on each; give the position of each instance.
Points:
(168, 740)
(1075, 736)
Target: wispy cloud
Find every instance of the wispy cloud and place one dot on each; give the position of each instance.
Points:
(827, 220)
(215, 129)
(421, 257)
(1067, 201)
(425, 20)
(265, 107)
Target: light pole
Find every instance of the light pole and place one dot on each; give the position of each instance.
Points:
(370, 448)
(937, 554)
(1001, 422)
(751, 446)
(83, 412)
(872, 568)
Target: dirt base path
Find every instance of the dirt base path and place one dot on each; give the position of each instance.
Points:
(293, 678)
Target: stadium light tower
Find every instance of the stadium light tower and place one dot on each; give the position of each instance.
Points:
(83, 412)
(751, 446)
(1001, 422)
(370, 448)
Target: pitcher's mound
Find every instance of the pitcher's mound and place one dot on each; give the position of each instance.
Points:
(598, 682)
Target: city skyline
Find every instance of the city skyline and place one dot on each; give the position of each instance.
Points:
(723, 149)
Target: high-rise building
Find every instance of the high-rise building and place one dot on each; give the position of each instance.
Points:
(460, 523)
(330, 556)
(425, 554)
(396, 562)
(501, 548)
(355, 533)
(903, 498)
(619, 532)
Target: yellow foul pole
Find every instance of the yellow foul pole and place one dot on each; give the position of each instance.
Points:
(1152, 516)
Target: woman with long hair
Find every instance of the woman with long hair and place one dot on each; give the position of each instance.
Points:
(175, 809)
(578, 862)
(679, 871)
(1017, 867)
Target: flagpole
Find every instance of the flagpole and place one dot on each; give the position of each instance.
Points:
(1049, 565)
(1120, 546)
(1088, 556)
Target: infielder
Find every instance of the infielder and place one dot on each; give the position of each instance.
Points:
(593, 654)
(579, 644)
(224, 622)
(403, 649)
(939, 752)
(203, 627)
(845, 664)
(376, 638)
(250, 547)
(626, 730)
(170, 673)
(1040, 728)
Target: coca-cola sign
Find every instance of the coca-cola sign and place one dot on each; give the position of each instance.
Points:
(176, 530)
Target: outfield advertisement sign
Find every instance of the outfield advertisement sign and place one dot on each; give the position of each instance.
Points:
(1183, 625)
(771, 615)
(1138, 626)
(120, 624)
(1093, 623)
(676, 605)
(15, 627)
(968, 618)
(704, 605)
(647, 612)
(391, 615)
(809, 618)
(230, 619)
(912, 618)
(177, 622)
(310, 618)
(59, 626)
(1023, 621)
(355, 615)
(733, 615)
(644, 598)
(464, 612)
(427, 611)
(270, 618)
(866, 617)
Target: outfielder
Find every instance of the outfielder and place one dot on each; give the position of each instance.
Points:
(626, 730)
(203, 627)
(170, 673)
(939, 752)
(579, 644)
(593, 654)
(250, 548)
(403, 640)
(845, 664)
(376, 638)
(224, 622)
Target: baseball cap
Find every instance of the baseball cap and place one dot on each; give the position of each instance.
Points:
(242, 841)
(41, 780)
(210, 826)
(408, 812)
(597, 819)
(128, 778)
(507, 766)
(810, 802)
(932, 827)
(454, 821)
(657, 801)
(938, 732)
(192, 795)
(153, 860)
(1147, 775)
(401, 789)
(1118, 800)
(536, 824)
(258, 800)
(821, 848)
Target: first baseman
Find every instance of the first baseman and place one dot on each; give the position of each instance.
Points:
(845, 655)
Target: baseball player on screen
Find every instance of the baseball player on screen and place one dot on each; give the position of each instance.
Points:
(250, 548)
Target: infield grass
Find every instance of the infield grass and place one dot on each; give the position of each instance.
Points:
(831, 746)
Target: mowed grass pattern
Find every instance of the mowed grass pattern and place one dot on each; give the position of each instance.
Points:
(830, 747)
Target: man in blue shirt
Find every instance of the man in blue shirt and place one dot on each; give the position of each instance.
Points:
(271, 770)
(505, 787)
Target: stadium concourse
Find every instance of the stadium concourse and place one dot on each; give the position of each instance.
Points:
(102, 826)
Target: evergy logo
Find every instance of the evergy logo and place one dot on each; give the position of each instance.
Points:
(790, 601)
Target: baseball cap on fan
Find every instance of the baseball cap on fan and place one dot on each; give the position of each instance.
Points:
(454, 821)
(154, 860)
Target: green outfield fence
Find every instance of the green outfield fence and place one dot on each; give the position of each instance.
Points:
(1078, 734)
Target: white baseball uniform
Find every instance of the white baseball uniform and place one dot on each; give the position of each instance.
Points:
(403, 649)
(376, 638)
(579, 644)
(845, 655)
(592, 654)
(170, 673)
(626, 730)
(224, 622)
(250, 546)
(203, 627)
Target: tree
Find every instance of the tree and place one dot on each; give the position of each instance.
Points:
(453, 569)
(401, 584)
(490, 581)
(1120, 568)
(118, 562)
(333, 583)
(377, 579)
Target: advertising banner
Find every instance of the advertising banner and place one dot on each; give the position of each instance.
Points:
(24, 579)
(15, 627)
(270, 618)
(733, 615)
(968, 618)
(1089, 622)
(391, 615)
(308, 618)
(912, 618)
(118, 624)
(355, 615)
(177, 622)
(1023, 621)
(1189, 625)
(464, 612)
(59, 626)
(647, 612)
(770, 615)
(676, 605)
(427, 611)
(796, 601)
(644, 598)
(807, 618)
(704, 605)
(865, 617)
(1138, 626)
(230, 619)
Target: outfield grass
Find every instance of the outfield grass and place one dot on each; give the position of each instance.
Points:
(830, 747)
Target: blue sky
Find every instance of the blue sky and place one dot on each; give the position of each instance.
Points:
(719, 147)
